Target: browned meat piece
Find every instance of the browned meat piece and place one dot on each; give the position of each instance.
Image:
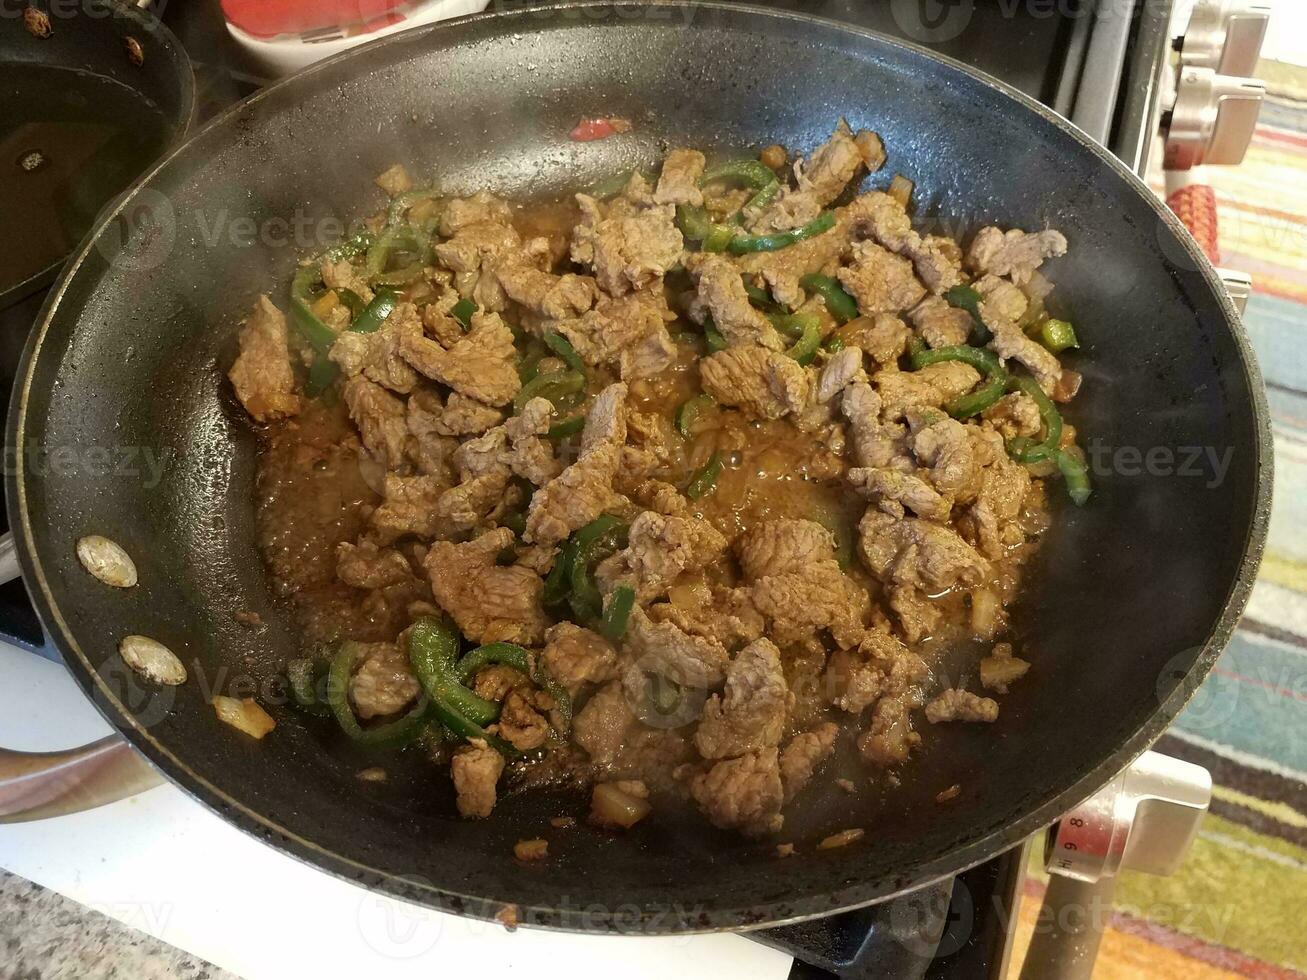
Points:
(377, 355)
(931, 387)
(660, 549)
(875, 443)
(1001, 668)
(471, 252)
(489, 602)
(575, 498)
(820, 596)
(665, 649)
(791, 208)
(939, 324)
(476, 769)
(892, 491)
(724, 615)
(763, 382)
(838, 160)
(781, 546)
(262, 375)
(395, 180)
(918, 617)
(494, 682)
(1014, 415)
(384, 683)
(917, 553)
(469, 504)
(1015, 253)
(721, 291)
(653, 438)
(482, 206)
(958, 705)
(938, 261)
(883, 335)
(629, 331)
(379, 416)
(459, 416)
(881, 666)
(520, 723)
(437, 322)
(797, 583)
(365, 566)
(344, 274)
(842, 370)
(878, 216)
(751, 715)
(605, 422)
(1000, 300)
(783, 268)
(744, 793)
(679, 181)
(627, 251)
(945, 446)
(1002, 305)
(663, 498)
(574, 656)
(654, 354)
(483, 365)
(889, 740)
(880, 281)
(994, 514)
(517, 445)
(822, 179)
(602, 726)
(408, 507)
(804, 754)
(555, 297)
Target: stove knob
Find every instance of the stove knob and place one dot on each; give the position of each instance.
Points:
(1213, 119)
(1144, 820)
(1226, 36)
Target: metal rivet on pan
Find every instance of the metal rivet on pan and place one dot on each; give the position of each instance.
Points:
(152, 660)
(107, 561)
(135, 53)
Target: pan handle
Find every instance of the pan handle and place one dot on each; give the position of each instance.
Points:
(36, 785)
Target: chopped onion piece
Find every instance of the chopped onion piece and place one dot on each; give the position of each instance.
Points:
(245, 715)
(843, 838)
(615, 805)
(900, 188)
(985, 611)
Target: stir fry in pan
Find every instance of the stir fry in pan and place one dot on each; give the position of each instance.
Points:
(669, 489)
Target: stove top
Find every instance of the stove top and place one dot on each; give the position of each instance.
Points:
(1100, 68)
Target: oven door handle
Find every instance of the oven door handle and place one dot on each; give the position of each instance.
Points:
(36, 785)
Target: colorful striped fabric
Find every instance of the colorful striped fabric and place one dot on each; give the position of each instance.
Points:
(1239, 905)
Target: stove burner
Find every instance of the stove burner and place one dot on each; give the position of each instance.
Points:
(32, 161)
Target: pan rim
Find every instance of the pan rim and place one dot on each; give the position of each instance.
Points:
(864, 892)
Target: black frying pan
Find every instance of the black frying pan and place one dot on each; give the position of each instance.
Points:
(1128, 605)
(91, 93)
